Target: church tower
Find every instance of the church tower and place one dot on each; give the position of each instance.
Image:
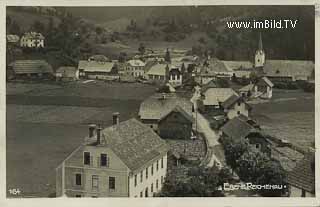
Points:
(259, 59)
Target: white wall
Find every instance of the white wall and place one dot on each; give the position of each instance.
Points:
(134, 191)
(233, 112)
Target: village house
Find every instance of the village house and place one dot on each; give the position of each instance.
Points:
(175, 77)
(127, 159)
(158, 72)
(262, 89)
(169, 115)
(135, 68)
(236, 105)
(98, 70)
(67, 73)
(288, 70)
(212, 98)
(241, 127)
(239, 69)
(32, 68)
(301, 179)
(13, 39)
(32, 40)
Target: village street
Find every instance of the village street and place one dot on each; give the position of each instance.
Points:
(203, 126)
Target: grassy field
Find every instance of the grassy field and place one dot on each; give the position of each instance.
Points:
(46, 122)
(289, 115)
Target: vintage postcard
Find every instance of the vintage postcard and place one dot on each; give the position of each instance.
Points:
(183, 103)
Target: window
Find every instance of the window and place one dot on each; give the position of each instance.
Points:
(103, 160)
(78, 179)
(238, 112)
(151, 126)
(157, 184)
(141, 194)
(146, 192)
(239, 103)
(112, 183)
(161, 179)
(135, 180)
(157, 165)
(86, 158)
(95, 181)
(151, 188)
(161, 162)
(152, 169)
(258, 146)
(141, 176)
(78, 196)
(146, 173)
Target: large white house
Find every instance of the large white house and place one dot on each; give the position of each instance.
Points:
(32, 40)
(127, 159)
(135, 68)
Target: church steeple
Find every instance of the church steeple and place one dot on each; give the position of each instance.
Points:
(260, 42)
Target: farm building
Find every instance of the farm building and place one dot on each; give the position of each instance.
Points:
(155, 108)
(288, 70)
(32, 68)
(135, 68)
(97, 70)
(126, 159)
(263, 89)
(32, 40)
(241, 127)
(158, 72)
(239, 68)
(212, 98)
(13, 39)
(301, 179)
(66, 73)
(236, 105)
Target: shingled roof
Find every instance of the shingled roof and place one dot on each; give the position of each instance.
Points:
(227, 104)
(238, 65)
(237, 127)
(181, 111)
(215, 95)
(31, 66)
(155, 107)
(303, 175)
(134, 143)
(95, 66)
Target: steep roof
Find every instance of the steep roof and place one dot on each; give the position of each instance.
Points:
(157, 69)
(215, 95)
(303, 175)
(155, 107)
(136, 63)
(134, 143)
(31, 66)
(67, 71)
(13, 38)
(180, 110)
(215, 66)
(267, 81)
(288, 68)
(95, 66)
(238, 65)
(237, 128)
(247, 88)
(210, 84)
(227, 104)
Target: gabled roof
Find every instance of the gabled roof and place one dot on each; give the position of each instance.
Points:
(157, 69)
(94, 66)
(288, 68)
(33, 35)
(67, 71)
(238, 65)
(215, 66)
(134, 143)
(237, 128)
(210, 84)
(303, 175)
(247, 88)
(31, 66)
(136, 63)
(267, 81)
(180, 110)
(227, 104)
(13, 38)
(155, 107)
(215, 95)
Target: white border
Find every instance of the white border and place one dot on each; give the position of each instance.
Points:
(209, 202)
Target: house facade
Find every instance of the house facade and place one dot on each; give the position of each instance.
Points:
(158, 72)
(32, 40)
(135, 68)
(234, 106)
(98, 70)
(175, 77)
(126, 159)
(66, 73)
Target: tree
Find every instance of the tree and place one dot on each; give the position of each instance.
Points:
(99, 30)
(253, 77)
(167, 57)
(38, 26)
(142, 48)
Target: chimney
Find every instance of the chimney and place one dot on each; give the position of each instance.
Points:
(115, 118)
(99, 134)
(91, 130)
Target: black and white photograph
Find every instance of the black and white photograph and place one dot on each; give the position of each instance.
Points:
(160, 101)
